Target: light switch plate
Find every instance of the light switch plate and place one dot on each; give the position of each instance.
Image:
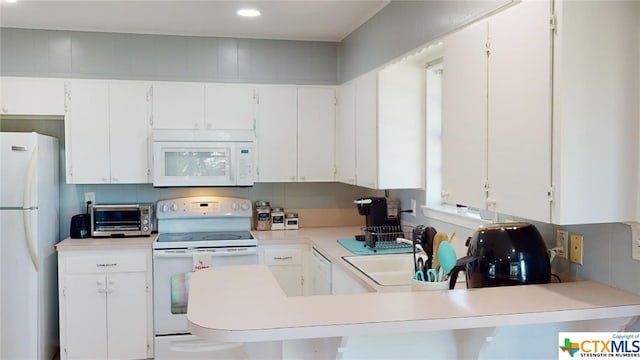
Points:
(562, 242)
(635, 241)
(576, 248)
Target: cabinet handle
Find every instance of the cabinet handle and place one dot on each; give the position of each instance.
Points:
(209, 126)
(282, 257)
(107, 265)
(114, 180)
(196, 126)
(303, 178)
(444, 194)
(292, 178)
(5, 110)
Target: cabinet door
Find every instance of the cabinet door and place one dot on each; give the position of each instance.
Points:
(316, 134)
(178, 106)
(32, 96)
(346, 133)
(85, 321)
(367, 130)
(277, 134)
(87, 133)
(519, 137)
(127, 315)
(229, 107)
(290, 279)
(129, 132)
(464, 117)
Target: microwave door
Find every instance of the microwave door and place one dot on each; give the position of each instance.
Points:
(192, 164)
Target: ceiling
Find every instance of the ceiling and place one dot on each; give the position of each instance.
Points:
(315, 20)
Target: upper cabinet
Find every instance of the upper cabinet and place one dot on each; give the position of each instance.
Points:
(31, 96)
(277, 134)
(295, 133)
(384, 110)
(178, 105)
(523, 134)
(346, 133)
(316, 133)
(200, 106)
(106, 130)
(464, 116)
(230, 107)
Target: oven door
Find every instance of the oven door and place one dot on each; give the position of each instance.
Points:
(172, 270)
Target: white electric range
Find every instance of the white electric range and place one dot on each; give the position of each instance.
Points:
(195, 233)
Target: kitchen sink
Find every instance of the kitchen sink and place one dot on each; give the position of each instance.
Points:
(385, 270)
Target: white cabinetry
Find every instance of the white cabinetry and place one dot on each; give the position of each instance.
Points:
(388, 112)
(346, 133)
(535, 144)
(105, 304)
(178, 105)
(464, 113)
(106, 130)
(316, 133)
(320, 274)
(296, 136)
(277, 134)
(31, 96)
(288, 265)
(203, 106)
(230, 107)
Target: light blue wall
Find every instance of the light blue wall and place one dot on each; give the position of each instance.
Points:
(25, 52)
(403, 26)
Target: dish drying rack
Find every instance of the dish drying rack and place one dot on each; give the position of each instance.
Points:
(384, 237)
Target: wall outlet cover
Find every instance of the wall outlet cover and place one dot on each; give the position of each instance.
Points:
(576, 248)
(89, 196)
(562, 242)
(635, 241)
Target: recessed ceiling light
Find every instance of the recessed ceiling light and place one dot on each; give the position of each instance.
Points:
(248, 12)
(11, 1)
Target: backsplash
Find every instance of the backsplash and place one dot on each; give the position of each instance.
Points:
(607, 247)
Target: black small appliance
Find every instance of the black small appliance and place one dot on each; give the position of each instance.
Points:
(378, 211)
(505, 254)
(81, 225)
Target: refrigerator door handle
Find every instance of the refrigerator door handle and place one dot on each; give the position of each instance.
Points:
(26, 203)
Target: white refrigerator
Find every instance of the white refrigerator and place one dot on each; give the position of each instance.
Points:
(28, 232)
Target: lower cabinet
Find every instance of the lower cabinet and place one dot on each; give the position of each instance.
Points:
(289, 266)
(105, 304)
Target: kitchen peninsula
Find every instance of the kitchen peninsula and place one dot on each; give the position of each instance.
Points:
(245, 304)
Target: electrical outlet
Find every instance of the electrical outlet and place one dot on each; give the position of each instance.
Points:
(90, 196)
(413, 207)
(562, 242)
(575, 248)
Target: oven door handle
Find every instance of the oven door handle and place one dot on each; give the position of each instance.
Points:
(159, 253)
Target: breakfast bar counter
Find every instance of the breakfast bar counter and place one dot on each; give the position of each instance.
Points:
(253, 308)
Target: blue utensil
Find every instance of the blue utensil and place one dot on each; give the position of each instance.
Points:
(446, 257)
(419, 275)
(432, 275)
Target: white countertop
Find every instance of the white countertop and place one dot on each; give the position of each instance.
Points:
(252, 307)
(142, 242)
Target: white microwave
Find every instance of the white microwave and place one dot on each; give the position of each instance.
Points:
(203, 158)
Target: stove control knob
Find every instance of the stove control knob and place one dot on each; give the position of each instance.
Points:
(145, 228)
(174, 207)
(145, 222)
(164, 208)
(234, 206)
(245, 206)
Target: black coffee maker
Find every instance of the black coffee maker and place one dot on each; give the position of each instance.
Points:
(379, 211)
